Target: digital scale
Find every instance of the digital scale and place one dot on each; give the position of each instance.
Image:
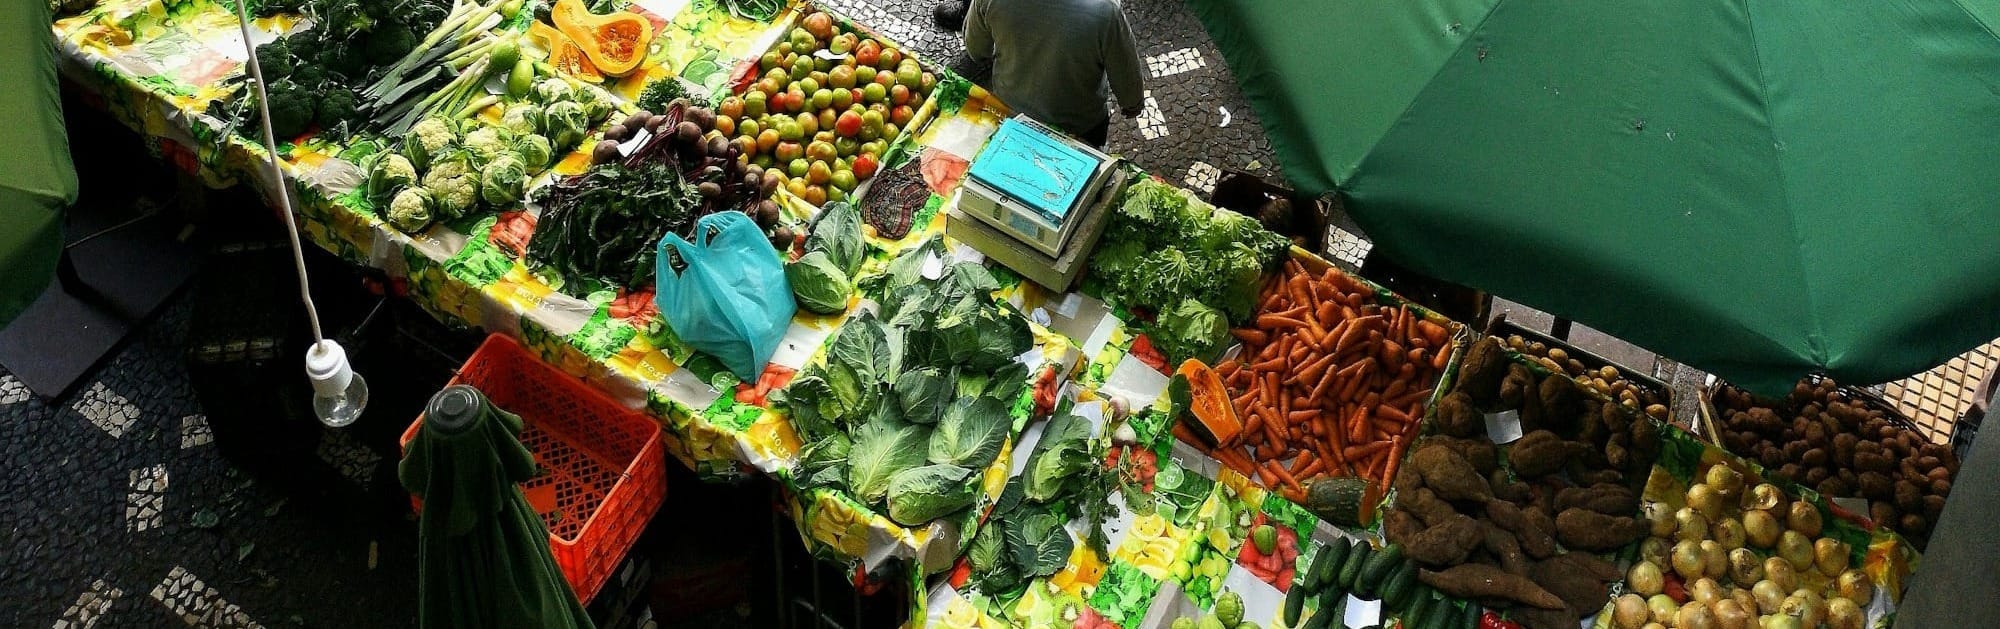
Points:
(1035, 200)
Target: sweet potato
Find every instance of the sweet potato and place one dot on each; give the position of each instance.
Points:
(1535, 540)
(1482, 454)
(1519, 383)
(1401, 527)
(1479, 375)
(1541, 453)
(1587, 564)
(1504, 547)
(1426, 506)
(1616, 500)
(1447, 543)
(1457, 417)
(1583, 529)
(1562, 404)
(1449, 474)
(1483, 581)
(1505, 488)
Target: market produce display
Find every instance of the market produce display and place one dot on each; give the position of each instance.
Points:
(1606, 380)
(822, 278)
(1824, 438)
(827, 104)
(1330, 382)
(314, 75)
(1516, 524)
(913, 402)
(447, 168)
(601, 229)
(1728, 550)
(1195, 268)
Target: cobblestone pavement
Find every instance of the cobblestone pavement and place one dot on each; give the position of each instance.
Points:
(121, 512)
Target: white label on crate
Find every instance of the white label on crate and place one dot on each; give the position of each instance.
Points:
(1504, 426)
(1069, 304)
(1362, 612)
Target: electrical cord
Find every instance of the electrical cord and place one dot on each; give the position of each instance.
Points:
(284, 191)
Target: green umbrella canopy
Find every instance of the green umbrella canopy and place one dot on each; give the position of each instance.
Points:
(483, 555)
(36, 179)
(1760, 188)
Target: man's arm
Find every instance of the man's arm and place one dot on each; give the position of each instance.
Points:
(1121, 66)
(978, 40)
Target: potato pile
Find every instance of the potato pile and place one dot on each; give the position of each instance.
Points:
(1495, 526)
(1741, 556)
(1822, 438)
(1606, 379)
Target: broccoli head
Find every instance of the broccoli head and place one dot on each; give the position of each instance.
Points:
(389, 43)
(660, 92)
(274, 59)
(291, 108)
(336, 106)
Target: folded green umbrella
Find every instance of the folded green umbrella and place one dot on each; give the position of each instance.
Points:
(483, 555)
(1759, 188)
(37, 181)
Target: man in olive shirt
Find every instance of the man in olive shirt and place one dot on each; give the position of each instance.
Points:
(1052, 60)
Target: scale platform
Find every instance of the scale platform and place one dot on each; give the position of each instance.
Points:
(1033, 183)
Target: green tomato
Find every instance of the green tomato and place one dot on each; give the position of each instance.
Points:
(1229, 608)
(1183, 623)
(1210, 622)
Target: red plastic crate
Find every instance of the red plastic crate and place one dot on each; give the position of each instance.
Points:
(606, 473)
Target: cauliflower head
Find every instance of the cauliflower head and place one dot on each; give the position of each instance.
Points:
(387, 173)
(427, 139)
(522, 118)
(488, 143)
(552, 90)
(410, 210)
(566, 124)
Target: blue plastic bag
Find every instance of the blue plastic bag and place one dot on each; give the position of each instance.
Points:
(725, 293)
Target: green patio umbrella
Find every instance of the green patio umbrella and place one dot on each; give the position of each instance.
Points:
(1760, 188)
(37, 181)
(483, 555)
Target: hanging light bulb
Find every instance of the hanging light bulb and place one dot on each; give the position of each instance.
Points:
(339, 394)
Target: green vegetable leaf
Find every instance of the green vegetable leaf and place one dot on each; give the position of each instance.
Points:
(987, 549)
(971, 433)
(880, 450)
(1191, 330)
(837, 231)
(923, 394)
(1039, 544)
(920, 494)
(1061, 456)
(817, 284)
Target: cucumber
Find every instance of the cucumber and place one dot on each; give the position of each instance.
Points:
(1375, 574)
(1470, 619)
(1398, 593)
(1322, 618)
(1350, 570)
(1444, 615)
(1295, 603)
(1421, 605)
(1326, 567)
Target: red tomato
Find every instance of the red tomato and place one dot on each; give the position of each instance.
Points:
(1490, 620)
(1142, 349)
(864, 165)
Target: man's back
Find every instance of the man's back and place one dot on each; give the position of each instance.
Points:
(1051, 58)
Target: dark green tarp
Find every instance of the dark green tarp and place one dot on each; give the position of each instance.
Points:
(483, 555)
(1759, 188)
(37, 181)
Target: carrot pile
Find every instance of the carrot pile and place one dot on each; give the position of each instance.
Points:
(1329, 381)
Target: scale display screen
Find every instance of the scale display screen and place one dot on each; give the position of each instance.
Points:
(1044, 172)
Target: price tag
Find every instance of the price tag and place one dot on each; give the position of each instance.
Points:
(1363, 612)
(1856, 506)
(830, 55)
(637, 140)
(933, 267)
(1504, 426)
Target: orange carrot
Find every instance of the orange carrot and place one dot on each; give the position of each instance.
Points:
(1394, 414)
(1395, 458)
(1274, 364)
(1299, 416)
(1249, 336)
(1311, 372)
(1310, 469)
(1278, 321)
(1348, 338)
(1280, 475)
(1438, 361)
(1432, 332)
(1386, 427)
(1366, 450)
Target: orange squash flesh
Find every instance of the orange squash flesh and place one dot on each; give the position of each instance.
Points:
(615, 43)
(1209, 401)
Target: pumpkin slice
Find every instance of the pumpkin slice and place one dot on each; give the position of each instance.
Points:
(564, 55)
(615, 43)
(1207, 402)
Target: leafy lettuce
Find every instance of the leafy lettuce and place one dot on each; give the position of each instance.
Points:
(921, 494)
(882, 449)
(971, 433)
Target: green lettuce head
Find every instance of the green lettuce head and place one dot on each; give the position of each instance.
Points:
(566, 125)
(535, 151)
(501, 181)
(820, 287)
